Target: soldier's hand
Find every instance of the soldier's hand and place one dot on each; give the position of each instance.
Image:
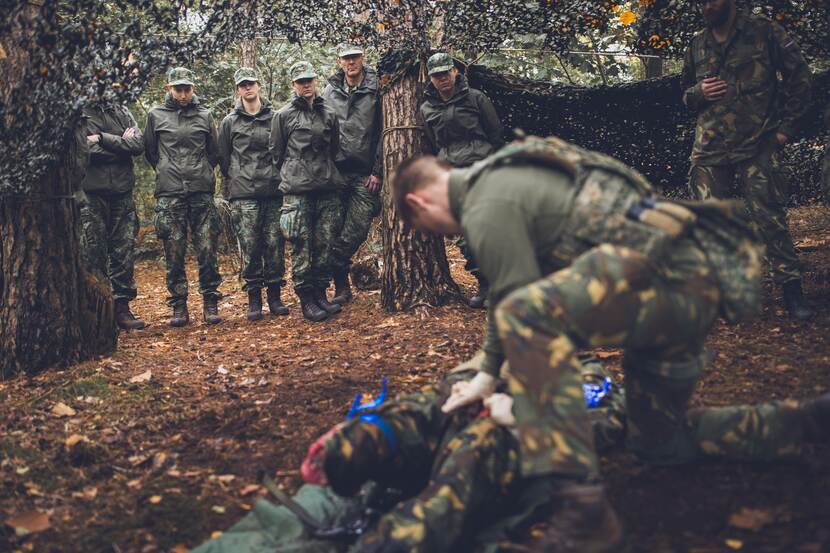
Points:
(129, 132)
(373, 184)
(714, 88)
(464, 393)
(501, 409)
(93, 138)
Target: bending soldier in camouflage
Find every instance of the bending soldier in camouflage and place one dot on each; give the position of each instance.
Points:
(251, 183)
(581, 253)
(108, 211)
(181, 144)
(353, 94)
(745, 115)
(403, 476)
(461, 127)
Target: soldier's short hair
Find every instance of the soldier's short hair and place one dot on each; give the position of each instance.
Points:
(411, 175)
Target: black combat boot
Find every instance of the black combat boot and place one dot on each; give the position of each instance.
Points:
(794, 301)
(342, 289)
(309, 307)
(479, 299)
(180, 315)
(321, 300)
(254, 304)
(582, 521)
(210, 310)
(125, 318)
(817, 418)
(274, 301)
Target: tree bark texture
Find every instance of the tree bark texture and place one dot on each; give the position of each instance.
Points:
(52, 312)
(415, 269)
(248, 52)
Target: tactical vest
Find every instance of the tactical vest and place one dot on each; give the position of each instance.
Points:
(615, 204)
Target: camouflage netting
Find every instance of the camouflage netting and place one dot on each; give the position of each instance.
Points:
(644, 124)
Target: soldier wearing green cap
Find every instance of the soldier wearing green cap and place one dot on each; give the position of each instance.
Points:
(354, 95)
(251, 183)
(304, 144)
(462, 127)
(180, 142)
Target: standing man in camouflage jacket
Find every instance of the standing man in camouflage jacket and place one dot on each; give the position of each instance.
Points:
(462, 127)
(180, 142)
(108, 213)
(353, 94)
(251, 183)
(745, 116)
(580, 253)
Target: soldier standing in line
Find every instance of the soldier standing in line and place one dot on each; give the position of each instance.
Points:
(304, 145)
(353, 94)
(580, 253)
(108, 215)
(462, 127)
(252, 186)
(180, 142)
(745, 116)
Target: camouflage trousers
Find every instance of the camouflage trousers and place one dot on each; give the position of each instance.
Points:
(764, 185)
(174, 216)
(359, 208)
(110, 225)
(309, 223)
(457, 470)
(257, 226)
(660, 313)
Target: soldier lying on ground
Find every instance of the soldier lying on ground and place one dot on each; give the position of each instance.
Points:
(404, 476)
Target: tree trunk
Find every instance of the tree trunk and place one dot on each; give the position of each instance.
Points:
(415, 268)
(248, 52)
(52, 312)
(653, 67)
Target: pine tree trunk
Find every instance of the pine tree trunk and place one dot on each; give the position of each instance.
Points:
(52, 313)
(415, 268)
(248, 52)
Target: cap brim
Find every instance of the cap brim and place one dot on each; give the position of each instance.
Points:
(350, 52)
(246, 79)
(440, 69)
(182, 82)
(305, 75)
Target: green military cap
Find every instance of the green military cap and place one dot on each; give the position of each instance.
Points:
(302, 70)
(181, 76)
(348, 49)
(439, 62)
(245, 74)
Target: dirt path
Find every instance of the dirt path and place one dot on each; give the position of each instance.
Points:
(163, 441)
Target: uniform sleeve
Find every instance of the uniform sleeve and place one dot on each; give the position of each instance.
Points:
(121, 146)
(277, 140)
(151, 146)
(335, 137)
(97, 152)
(692, 91)
(500, 240)
(212, 144)
(490, 122)
(225, 147)
(429, 133)
(795, 89)
(377, 130)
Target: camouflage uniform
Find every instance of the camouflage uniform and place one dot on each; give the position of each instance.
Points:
(181, 144)
(578, 259)
(108, 214)
(359, 119)
(735, 137)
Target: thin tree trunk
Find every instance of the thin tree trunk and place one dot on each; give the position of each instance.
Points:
(415, 268)
(248, 52)
(52, 313)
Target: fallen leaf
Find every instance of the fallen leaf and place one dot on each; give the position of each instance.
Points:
(734, 544)
(143, 377)
(179, 548)
(218, 509)
(225, 478)
(751, 519)
(74, 439)
(215, 534)
(155, 499)
(249, 489)
(607, 354)
(63, 410)
(29, 522)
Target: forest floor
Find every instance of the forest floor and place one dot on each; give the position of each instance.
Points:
(160, 445)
